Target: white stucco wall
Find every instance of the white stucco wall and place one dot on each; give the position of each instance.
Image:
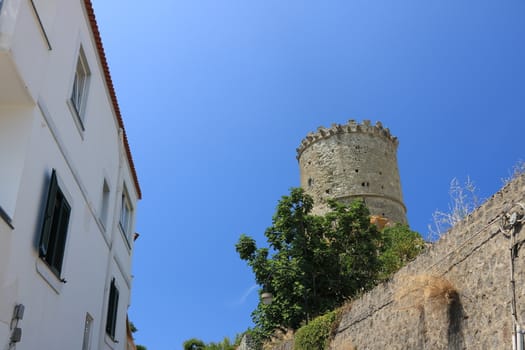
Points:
(14, 133)
(37, 137)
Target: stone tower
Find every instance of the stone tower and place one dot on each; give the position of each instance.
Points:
(351, 161)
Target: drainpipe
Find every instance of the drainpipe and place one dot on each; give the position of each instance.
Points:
(517, 338)
(510, 223)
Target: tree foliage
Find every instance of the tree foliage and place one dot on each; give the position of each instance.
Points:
(134, 329)
(317, 334)
(225, 344)
(197, 344)
(313, 263)
(400, 245)
(194, 344)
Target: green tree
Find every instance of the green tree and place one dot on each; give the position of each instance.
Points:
(194, 344)
(313, 263)
(134, 329)
(400, 245)
(197, 344)
(224, 345)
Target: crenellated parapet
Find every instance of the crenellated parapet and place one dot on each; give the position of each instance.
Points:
(354, 160)
(351, 127)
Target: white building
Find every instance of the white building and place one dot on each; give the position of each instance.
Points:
(68, 187)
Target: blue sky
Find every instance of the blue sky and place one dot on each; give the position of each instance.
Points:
(217, 95)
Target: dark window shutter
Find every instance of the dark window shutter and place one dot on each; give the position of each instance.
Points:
(59, 244)
(48, 215)
(111, 321)
(115, 311)
(54, 227)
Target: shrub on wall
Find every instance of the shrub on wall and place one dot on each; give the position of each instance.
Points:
(400, 245)
(317, 334)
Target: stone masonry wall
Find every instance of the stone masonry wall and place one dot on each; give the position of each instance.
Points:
(351, 161)
(475, 258)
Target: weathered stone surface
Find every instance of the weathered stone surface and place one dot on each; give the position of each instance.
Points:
(351, 161)
(475, 257)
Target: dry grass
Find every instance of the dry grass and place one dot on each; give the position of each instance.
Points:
(346, 307)
(517, 170)
(416, 291)
(346, 346)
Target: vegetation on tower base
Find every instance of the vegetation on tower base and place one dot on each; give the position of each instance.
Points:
(313, 264)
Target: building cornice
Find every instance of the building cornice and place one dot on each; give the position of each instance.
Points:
(111, 89)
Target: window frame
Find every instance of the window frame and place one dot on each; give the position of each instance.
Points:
(126, 215)
(80, 87)
(104, 204)
(53, 237)
(112, 310)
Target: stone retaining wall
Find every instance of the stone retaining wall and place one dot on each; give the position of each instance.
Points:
(475, 313)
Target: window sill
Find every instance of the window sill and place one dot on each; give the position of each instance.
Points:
(49, 276)
(110, 341)
(7, 219)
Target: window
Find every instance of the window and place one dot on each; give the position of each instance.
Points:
(111, 321)
(80, 86)
(104, 207)
(125, 215)
(87, 332)
(54, 228)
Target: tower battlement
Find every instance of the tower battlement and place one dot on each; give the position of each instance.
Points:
(351, 127)
(354, 160)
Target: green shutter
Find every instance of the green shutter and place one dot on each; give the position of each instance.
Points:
(115, 310)
(65, 210)
(48, 215)
(111, 321)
